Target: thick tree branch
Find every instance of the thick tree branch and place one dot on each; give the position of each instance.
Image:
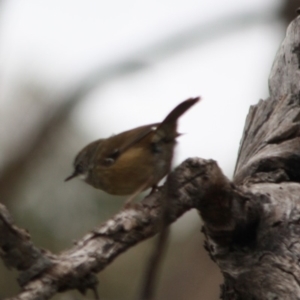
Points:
(189, 186)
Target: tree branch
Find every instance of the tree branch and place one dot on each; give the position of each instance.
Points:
(187, 187)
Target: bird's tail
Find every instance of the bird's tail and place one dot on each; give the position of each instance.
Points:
(179, 110)
(167, 128)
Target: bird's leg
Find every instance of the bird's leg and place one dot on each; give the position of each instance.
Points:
(153, 189)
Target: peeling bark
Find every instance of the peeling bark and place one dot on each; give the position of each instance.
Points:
(265, 264)
(186, 188)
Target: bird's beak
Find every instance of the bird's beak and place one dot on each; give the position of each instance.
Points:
(71, 176)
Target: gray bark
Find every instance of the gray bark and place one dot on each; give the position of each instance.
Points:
(263, 262)
(251, 225)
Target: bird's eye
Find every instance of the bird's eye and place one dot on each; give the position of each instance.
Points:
(115, 154)
(79, 169)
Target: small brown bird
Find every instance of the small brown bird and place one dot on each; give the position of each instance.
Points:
(131, 161)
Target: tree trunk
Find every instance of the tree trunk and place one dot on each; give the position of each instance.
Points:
(260, 255)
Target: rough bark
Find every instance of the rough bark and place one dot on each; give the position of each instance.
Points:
(189, 185)
(251, 225)
(263, 263)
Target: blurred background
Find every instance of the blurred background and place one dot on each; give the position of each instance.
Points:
(72, 71)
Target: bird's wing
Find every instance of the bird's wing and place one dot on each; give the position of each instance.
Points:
(140, 133)
(129, 139)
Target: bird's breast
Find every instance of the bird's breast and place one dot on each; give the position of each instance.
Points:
(138, 166)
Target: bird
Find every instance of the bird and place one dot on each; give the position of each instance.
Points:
(134, 160)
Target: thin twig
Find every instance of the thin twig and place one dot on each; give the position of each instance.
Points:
(150, 279)
(151, 274)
